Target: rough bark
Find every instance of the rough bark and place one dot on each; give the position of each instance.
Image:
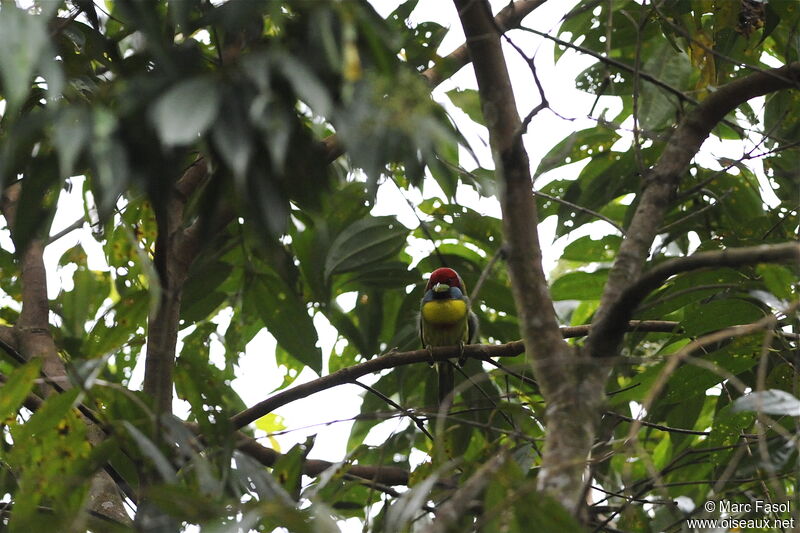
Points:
(33, 338)
(570, 382)
(175, 251)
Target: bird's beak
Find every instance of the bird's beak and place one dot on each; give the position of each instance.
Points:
(441, 287)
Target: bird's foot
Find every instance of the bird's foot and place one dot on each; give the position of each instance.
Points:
(462, 359)
(430, 354)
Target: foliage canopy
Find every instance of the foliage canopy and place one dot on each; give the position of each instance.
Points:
(231, 154)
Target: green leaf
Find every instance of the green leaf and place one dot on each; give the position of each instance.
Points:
(151, 452)
(718, 314)
(364, 243)
(82, 302)
(271, 423)
(657, 108)
(17, 386)
(201, 294)
(579, 285)
(129, 313)
(468, 101)
(779, 280)
(577, 146)
(288, 469)
(589, 250)
(771, 402)
(24, 43)
(71, 133)
(548, 515)
(286, 317)
(689, 381)
(52, 410)
(186, 111)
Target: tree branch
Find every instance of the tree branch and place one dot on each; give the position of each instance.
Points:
(607, 334)
(571, 383)
(395, 359)
(34, 340)
(176, 249)
(388, 475)
(663, 179)
(458, 505)
(510, 17)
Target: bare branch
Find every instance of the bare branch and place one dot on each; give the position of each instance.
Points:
(657, 426)
(407, 412)
(582, 209)
(606, 335)
(388, 475)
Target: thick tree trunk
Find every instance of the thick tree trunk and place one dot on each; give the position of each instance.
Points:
(571, 383)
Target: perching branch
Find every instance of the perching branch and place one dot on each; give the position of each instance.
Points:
(509, 17)
(607, 334)
(661, 183)
(394, 359)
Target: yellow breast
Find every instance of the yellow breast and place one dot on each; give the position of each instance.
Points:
(444, 311)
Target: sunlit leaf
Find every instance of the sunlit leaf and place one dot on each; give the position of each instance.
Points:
(771, 402)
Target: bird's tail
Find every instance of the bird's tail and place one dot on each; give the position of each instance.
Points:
(447, 380)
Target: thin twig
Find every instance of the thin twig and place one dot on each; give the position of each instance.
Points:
(406, 412)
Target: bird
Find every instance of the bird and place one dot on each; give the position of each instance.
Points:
(445, 319)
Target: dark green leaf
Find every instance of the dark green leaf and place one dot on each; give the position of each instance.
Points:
(779, 280)
(287, 319)
(468, 100)
(364, 243)
(589, 250)
(718, 314)
(24, 43)
(288, 469)
(186, 111)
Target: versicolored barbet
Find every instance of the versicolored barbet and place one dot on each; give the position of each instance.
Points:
(445, 319)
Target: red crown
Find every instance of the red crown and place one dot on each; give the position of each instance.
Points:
(445, 275)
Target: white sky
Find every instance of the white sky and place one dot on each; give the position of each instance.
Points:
(257, 375)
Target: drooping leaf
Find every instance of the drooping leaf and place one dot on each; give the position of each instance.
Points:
(186, 111)
(286, 318)
(364, 243)
(771, 402)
